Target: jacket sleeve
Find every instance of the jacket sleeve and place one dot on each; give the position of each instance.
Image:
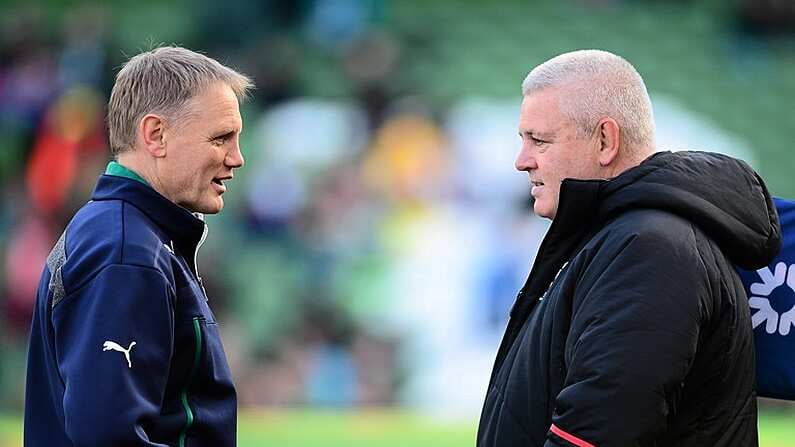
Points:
(633, 336)
(125, 311)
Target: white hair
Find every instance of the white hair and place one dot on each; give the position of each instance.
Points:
(596, 84)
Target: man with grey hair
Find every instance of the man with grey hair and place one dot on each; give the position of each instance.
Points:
(633, 328)
(124, 349)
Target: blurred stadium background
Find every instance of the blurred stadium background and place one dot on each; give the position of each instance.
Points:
(370, 248)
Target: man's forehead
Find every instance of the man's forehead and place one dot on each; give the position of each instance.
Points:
(542, 101)
(537, 122)
(216, 108)
(540, 113)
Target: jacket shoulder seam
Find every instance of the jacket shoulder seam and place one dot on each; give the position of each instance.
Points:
(92, 277)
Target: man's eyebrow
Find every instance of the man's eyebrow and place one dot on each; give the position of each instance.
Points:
(535, 133)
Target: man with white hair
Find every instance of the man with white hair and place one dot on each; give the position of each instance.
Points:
(124, 349)
(633, 328)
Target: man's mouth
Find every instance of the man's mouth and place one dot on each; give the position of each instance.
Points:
(536, 189)
(220, 182)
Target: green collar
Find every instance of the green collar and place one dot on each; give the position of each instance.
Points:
(114, 168)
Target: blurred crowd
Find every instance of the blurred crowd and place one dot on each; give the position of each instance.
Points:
(356, 239)
(369, 249)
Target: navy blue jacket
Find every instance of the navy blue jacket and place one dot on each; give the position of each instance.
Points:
(771, 295)
(124, 349)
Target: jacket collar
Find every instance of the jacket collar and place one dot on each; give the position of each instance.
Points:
(574, 221)
(119, 170)
(179, 224)
(581, 212)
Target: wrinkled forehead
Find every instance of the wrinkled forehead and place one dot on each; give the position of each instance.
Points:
(540, 112)
(215, 104)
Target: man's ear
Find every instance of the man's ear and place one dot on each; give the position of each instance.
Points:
(609, 136)
(151, 129)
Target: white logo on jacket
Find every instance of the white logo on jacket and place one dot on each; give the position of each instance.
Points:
(113, 346)
(760, 291)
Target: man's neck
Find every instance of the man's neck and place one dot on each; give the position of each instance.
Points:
(144, 168)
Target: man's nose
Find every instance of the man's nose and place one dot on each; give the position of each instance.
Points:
(525, 161)
(234, 159)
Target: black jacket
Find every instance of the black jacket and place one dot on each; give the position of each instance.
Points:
(633, 328)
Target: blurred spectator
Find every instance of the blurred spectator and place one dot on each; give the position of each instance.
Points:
(25, 257)
(273, 60)
(407, 160)
(82, 59)
(71, 138)
(370, 63)
(332, 23)
(766, 18)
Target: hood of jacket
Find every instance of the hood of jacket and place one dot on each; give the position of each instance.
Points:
(721, 195)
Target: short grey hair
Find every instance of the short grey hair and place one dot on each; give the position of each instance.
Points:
(163, 81)
(598, 84)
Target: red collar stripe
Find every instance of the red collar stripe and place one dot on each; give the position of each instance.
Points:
(569, 437)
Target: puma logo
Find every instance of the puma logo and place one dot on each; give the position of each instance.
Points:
(113, 346)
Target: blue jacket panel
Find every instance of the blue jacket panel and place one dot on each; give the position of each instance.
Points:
(124, 349)
(771, 296)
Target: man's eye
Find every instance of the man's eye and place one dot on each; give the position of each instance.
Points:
(537, 142)
(220, 141)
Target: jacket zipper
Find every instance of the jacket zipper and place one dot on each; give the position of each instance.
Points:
(554, 280)
(196, 260)
(197, 334)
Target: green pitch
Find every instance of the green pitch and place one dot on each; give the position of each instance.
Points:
(381, 428)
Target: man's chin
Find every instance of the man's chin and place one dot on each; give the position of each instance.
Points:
(213, 206)
(542, 211)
